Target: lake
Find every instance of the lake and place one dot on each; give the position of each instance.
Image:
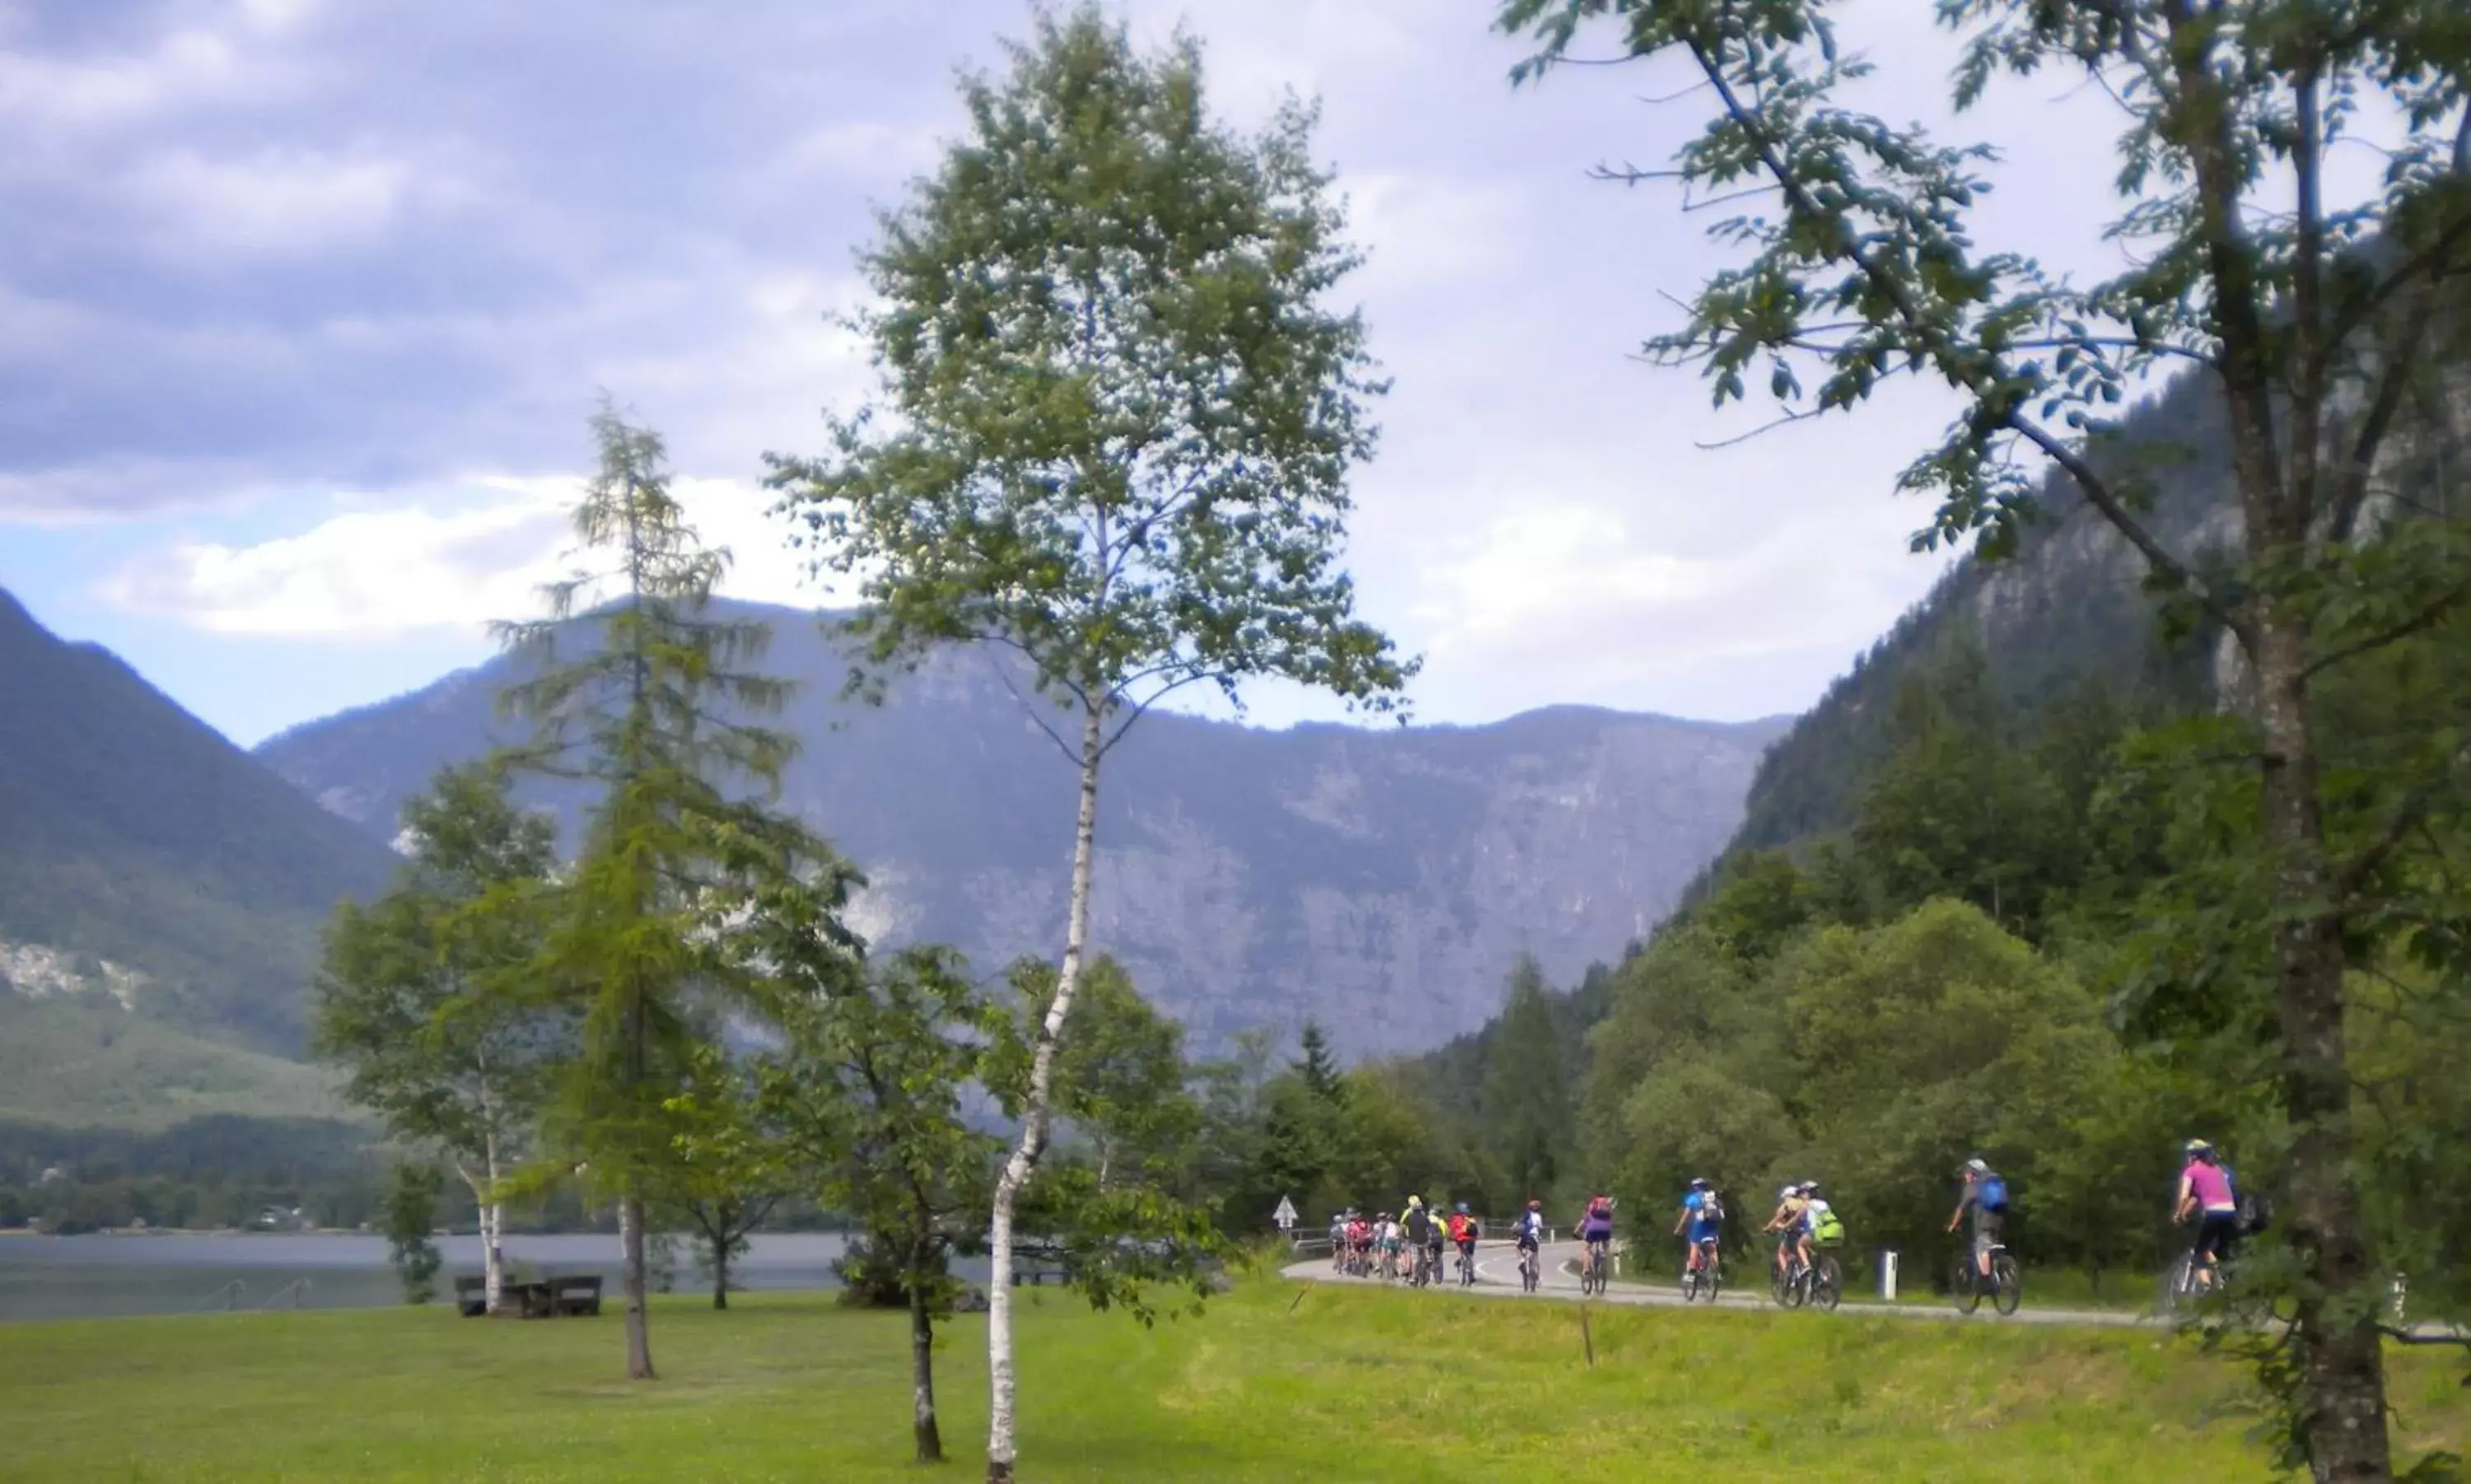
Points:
(162, 1273)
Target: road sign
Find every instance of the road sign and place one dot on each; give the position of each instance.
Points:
(1285, 1215)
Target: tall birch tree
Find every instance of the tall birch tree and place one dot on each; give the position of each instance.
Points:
(2318, 318)
(1116, 422)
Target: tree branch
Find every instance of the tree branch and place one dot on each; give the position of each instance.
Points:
(2096, 490)
(2407, 816)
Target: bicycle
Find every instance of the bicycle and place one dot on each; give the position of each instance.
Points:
(1530, 1273)
(1592, 1273)
(1785, 1276)
(2179, 1281)
(1467, 1266)
(2007, 1283)
(1824, 1281)
(1419, 1268)
(1707, 1277)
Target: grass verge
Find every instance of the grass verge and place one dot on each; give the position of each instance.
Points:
(1350, 1384)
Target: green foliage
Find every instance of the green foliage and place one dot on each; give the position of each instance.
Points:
(1527, 1087)
(425, 997)
(411, 1215)
(1118, 417)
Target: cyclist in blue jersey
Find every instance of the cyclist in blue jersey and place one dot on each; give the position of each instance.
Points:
(1704, 1215)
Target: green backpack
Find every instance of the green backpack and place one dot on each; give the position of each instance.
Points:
(1827, 1228)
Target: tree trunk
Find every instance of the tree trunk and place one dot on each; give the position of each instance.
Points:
(1023, 1162)
(493, 1217)
(630, 1243)
(720, 1270)
(2340, 1355)
(922, 1372)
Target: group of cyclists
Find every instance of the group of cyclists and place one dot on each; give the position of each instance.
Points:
(1410, 1245)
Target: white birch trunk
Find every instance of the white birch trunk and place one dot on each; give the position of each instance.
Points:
(493, 1217)
(1026, 1154)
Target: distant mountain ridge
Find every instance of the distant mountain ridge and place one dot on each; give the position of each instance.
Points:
(1383, 879)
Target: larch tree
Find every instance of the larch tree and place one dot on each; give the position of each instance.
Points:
(637, 691)
(424, 996)
(1117, 415)
(2318, 318)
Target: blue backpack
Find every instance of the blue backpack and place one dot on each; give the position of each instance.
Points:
(1994, 1193)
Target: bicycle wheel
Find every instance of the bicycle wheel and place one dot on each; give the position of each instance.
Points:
(2008, 1284)
(1960, 1286)
(1796, 1285)
(1827, 1285)
(1711, 1277)
(1689, 1283)
(2176, 1282)
(1527, 1274)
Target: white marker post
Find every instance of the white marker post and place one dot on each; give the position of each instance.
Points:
(1285, 1215)
(1888, 1276)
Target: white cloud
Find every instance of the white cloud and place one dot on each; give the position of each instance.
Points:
(377, 570)
(283, 202)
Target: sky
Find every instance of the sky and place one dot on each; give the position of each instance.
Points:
(304, 303)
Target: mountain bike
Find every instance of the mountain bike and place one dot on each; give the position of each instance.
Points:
(1419, 1268)
(2007, 1283)
(1785, 1278)
(2182, 1282)
(1467, 1266)
(1703, 1281)
(1593, 1272)
(1529, 1265)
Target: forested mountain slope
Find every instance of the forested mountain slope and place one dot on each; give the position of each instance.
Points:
(144, 860)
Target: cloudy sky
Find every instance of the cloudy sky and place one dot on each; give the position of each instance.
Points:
(303, 304)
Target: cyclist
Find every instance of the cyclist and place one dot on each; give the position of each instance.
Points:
(2206, 1193)
(1820, 1225)
(1596, 1229)
(1985, 1196)
(1530, 1231)
(1436, 1233)
(1338, 1242)
(1415, 1230)
(1703, 1212)
(1787, 1223)
(1359, 1241)
(1465, 1228)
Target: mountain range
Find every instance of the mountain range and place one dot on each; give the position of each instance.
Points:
(1381, 879)
(161, 891)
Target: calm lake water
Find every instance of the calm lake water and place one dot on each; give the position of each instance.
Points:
(87, 1277)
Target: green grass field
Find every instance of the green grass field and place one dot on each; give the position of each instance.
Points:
(1354, 1384)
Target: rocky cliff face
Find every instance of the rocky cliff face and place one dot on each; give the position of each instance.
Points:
(1383, 879)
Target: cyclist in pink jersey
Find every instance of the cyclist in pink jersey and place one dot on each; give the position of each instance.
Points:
(2206, 1193)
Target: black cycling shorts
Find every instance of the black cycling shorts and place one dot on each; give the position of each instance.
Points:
(2216, 1233)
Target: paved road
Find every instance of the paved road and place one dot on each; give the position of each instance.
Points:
(1496, 1268)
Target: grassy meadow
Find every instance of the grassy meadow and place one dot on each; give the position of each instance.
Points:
(1352, 1384)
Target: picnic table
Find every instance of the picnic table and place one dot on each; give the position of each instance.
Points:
(546, 1297)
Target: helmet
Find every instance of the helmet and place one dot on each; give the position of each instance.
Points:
(1414, 1201)
(1788, 1191)
(1463, 1211)
(2198, 1149)
(1699, 1182)
(1536, 1205)
(1810, 1187)
(1976, 1165)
